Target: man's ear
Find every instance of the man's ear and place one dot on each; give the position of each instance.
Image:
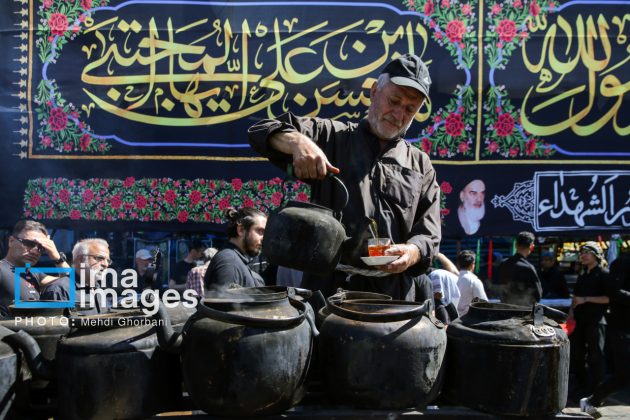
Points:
(240, 230)
(373, 90)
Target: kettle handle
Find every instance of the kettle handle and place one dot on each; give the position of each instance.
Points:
(416, 310)
(338, 212)
(247, 321)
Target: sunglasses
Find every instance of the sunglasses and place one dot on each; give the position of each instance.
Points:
(28, 244)
(99, 258)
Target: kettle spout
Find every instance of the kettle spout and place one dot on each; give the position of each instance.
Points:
(40, 367)
(168, 339)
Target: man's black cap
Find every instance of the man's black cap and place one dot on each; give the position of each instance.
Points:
(409, 70)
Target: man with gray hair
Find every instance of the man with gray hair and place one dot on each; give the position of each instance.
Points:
(90, 259)
(388, 180)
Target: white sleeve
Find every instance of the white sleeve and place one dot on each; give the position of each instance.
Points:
(478, 290)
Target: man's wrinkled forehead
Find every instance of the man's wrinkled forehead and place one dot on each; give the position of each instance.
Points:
(98, 249)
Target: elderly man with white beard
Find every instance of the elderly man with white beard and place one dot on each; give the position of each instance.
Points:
(90, 259)
(472, 208)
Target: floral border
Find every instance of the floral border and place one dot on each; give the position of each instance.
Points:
(445, 189)
(153, 199)
(61, 125)
(509, 24)
(452, 130)
(161, 199)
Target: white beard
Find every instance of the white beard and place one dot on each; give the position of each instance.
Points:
(470, 218)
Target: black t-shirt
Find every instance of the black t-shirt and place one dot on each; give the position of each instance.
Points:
(554, 285)
(59, 290)
(230, 267)
(29, 285)
(593, 283)
(519, 281)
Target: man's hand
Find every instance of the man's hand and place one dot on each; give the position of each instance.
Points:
(309, 161)
(409, 255)
(50, 248)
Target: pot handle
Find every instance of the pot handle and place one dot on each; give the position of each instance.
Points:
(553, 313)
(168, 339)
(338, 212)
(247, 321)
(333, 306)
(40, 367)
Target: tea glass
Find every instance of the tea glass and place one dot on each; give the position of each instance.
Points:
(377, 246)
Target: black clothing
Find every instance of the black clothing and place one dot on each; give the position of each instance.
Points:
(396, 186)
(229, 267)
(589, 336)
(619, 293)
(587, 347)
(554, 285)
(518, 281)
(60, 290)
(619, 324)
(593, 283)
(180, 271)
(29, 286)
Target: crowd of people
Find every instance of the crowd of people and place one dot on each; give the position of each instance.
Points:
(392, 183)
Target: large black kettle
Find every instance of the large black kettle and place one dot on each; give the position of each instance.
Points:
(306, 236)
(508, 360)
(246, 351)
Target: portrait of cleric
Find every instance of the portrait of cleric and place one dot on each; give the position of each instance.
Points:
(472, 207)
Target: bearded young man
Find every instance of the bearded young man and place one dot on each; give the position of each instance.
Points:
(388, 180)
(229, 267)
(472, 208)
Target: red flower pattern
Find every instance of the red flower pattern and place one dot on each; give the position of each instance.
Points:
(182, 216)
(58, 119)
(455, 30)
(58, 24)
(506, 30)
(427, 145)
(64, 196)
(504, 125)
(170, 196)
(446, 187)
(429, 8)
(88, 196)
(35, 200)
(454, 125)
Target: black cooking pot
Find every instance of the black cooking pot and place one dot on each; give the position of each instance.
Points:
(347, 295)
(46, 326)
(109, 366)
(306, 236)
(245, 352)
(9, 373)
(508, 360)
(381, 354)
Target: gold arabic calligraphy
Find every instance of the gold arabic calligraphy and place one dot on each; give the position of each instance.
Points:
(232, 84)
(598, 46)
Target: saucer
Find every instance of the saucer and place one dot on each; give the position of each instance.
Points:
(382, 260)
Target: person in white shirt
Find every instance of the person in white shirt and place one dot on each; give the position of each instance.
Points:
(469, 285)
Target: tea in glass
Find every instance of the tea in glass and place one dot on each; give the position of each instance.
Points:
(377, 246)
